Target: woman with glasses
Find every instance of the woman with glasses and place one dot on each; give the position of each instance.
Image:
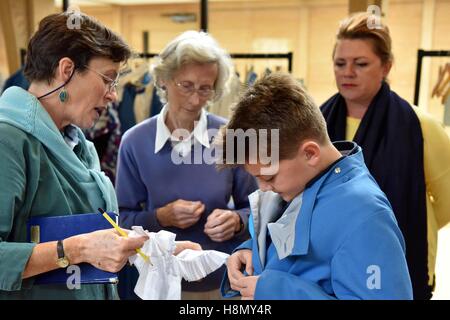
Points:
(48, 167)
(163, 181)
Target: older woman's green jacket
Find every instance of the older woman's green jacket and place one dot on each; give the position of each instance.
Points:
(41, 175)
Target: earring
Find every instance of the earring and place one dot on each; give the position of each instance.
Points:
(63, 95)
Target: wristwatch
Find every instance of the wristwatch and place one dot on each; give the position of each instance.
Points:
(63, 261)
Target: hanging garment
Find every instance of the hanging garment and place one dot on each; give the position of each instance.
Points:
(17, 79)
(126, 107)
(156, 104)
(222, 107)
(106, 136)
(447, 112)
(136, 97)
(143, 100)
(252, 77)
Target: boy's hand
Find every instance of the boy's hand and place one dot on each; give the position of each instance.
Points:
(248, 286)
(234, 266)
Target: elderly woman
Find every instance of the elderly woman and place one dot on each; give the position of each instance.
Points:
(406, 151)
(48, 167)
(161, 182)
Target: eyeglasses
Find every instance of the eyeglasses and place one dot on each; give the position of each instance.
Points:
(112, 83)
(188, 88)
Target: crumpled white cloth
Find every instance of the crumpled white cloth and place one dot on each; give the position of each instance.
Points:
(161, 280)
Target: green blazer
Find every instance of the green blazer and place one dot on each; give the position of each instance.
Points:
(42, 175)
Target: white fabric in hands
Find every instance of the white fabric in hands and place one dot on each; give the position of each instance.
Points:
(162, 279)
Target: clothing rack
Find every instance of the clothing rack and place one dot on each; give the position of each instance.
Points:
(420, 55)
(204, 15)
(65, 5)
(287, 56)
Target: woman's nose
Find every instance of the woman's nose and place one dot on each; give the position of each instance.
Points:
(111, 96)
(194, 98)
(349, 70)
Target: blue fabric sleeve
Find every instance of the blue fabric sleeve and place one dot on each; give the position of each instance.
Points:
(225, 288)
(279, 285)
(132, 193)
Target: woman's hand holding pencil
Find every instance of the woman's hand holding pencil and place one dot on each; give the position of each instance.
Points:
(107, 249)
(122, 233)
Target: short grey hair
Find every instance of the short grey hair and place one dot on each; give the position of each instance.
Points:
(192, 47)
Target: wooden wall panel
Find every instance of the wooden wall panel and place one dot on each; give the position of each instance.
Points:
(151, 18)
(14, 19)
(4, 69)
(323, 24)
(404, 20)
(258, 30)
(38, 9)
(110, 16)
(19, 19)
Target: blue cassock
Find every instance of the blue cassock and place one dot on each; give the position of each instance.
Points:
(343, 244)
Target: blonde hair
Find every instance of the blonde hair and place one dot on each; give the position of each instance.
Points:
(357, 27)
(192, 47)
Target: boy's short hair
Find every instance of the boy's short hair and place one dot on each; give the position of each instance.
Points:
(277, 101)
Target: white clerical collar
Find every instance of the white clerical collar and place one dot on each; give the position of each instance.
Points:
(163, 133)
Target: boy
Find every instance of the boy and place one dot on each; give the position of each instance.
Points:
(321, 227)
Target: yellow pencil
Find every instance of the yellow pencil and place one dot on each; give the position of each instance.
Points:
(123, 234)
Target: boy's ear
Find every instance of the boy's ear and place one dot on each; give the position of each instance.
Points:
(311, 151)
